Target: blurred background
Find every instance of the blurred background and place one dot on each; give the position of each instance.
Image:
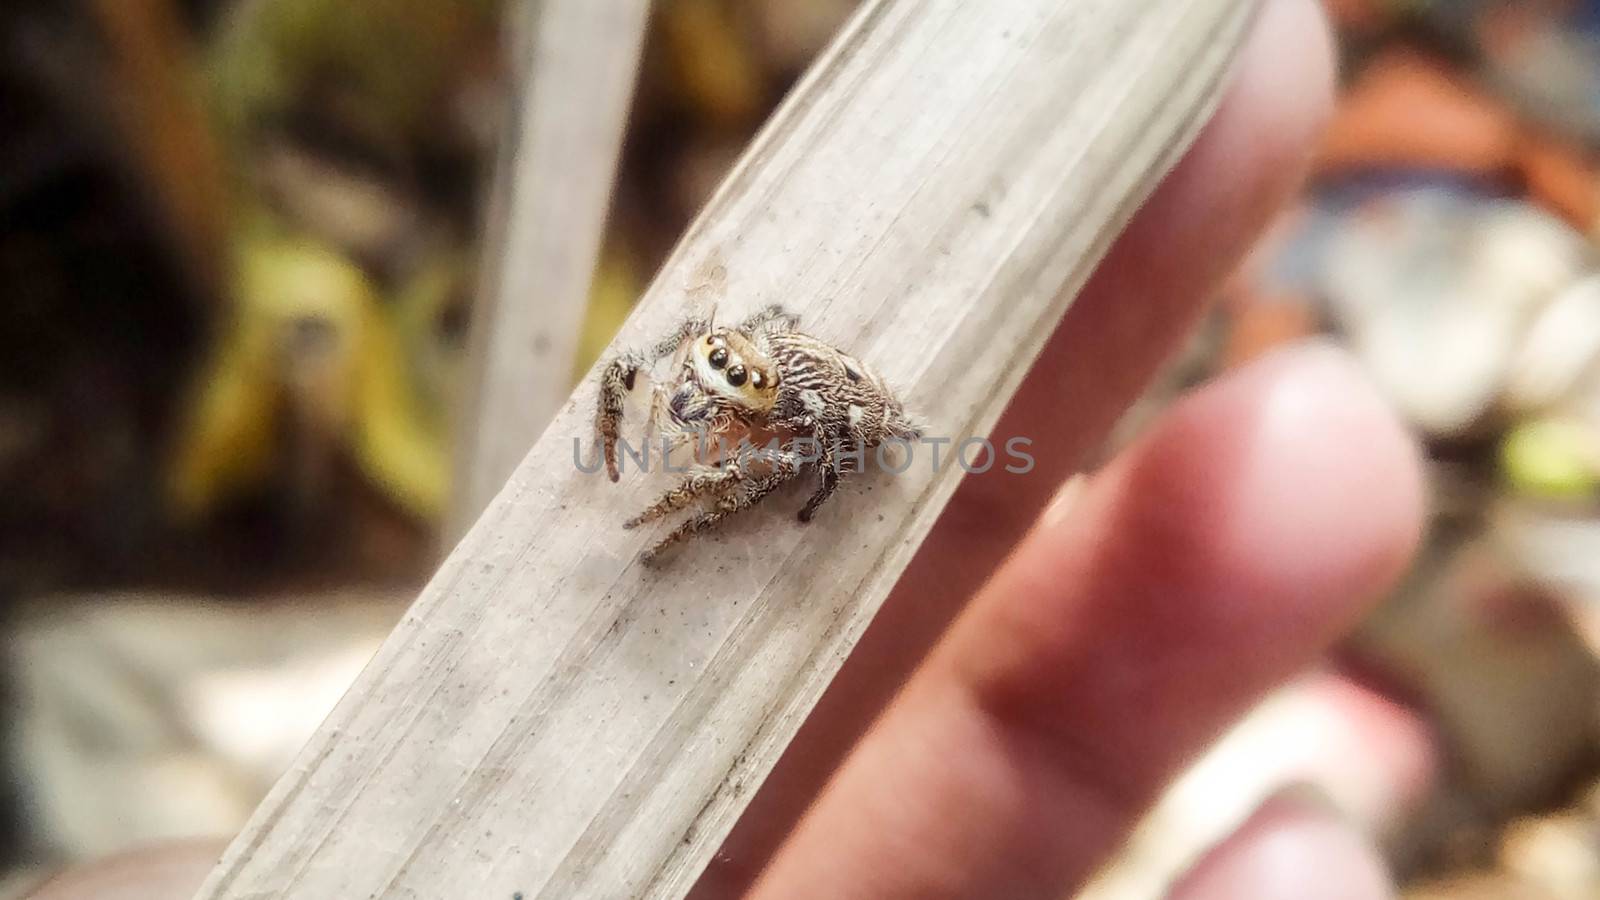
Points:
(239, 249)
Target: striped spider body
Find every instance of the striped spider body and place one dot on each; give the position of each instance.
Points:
(763, 377)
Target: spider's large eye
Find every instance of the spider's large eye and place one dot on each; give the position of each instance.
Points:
(757, 380)
(718, 357)
(736, 376)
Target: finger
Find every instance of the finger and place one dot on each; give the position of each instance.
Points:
(1352, 762)
(1218, 555)
(1290, 850)
(1377, 758)
(1150, 291)
(1145, 296)
(1344, 760)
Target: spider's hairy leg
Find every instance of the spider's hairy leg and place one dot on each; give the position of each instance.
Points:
(674, 339)
(617, 380)
(694, 485)
(657, 423)
(786, 466)
(615, 383)
(828, 468)
(774, 317)
(899, 424)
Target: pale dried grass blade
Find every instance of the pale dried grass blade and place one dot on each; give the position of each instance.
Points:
(554, 719)
(580, 61)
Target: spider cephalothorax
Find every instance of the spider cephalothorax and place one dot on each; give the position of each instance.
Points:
(823, 406)
(725, 380)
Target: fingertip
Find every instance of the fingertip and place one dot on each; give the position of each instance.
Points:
(1255, 152)
(1282, 501)
(1294, 58)
(1148, 293)
(1290, 850)
(1222, 552)
(1326, 492)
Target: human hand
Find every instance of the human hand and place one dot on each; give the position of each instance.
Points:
(1068, 661)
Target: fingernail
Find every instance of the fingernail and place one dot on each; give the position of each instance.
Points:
(1297, 845)
(1062, 504)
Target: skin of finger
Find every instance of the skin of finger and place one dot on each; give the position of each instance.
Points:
(1381, 758)
(1144, 298)
(1225, 550)
(1290, 850)
(1360, 765)
(1380, 769)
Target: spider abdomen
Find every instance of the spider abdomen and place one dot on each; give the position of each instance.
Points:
(834, 393)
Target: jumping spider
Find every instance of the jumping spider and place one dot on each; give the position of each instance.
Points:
(760, 377)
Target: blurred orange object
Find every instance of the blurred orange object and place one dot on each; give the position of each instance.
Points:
(1409, 110)
(1561, 177)
(1359, 16)
(1406, 109)
(1265, 324)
